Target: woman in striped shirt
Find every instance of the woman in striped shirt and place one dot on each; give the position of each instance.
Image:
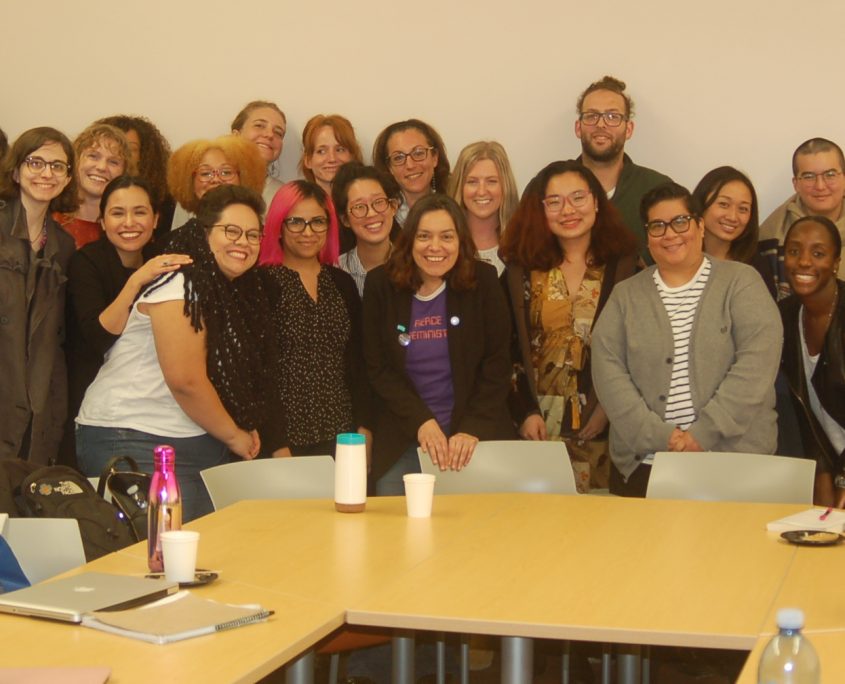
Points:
(685, 353)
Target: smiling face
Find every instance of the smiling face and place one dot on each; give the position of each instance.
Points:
(129, 220)
(374, 228)
(571, 223)
(216, 163)
(809, 258)
(601, 142)
(97, 166)
(234, 258)
(306, 245)
(43, 186)
(677, 255)
(482, 191)
(436, 247)
(729, 213)
(328, 156)
(820, 196)
(266, 128)
(414, 177)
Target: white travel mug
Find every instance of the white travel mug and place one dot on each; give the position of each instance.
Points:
(350, 473)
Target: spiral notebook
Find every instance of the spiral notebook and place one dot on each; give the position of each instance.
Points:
(177, 617)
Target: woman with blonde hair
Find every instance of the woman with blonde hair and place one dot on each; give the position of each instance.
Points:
(328, 142)
(200, 165)
(102, 154)
(483, 184)
(262, 122)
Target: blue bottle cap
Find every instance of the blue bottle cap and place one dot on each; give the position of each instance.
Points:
(351, 438)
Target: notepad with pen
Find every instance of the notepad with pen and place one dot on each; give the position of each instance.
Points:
(816, 519)
(177, 617)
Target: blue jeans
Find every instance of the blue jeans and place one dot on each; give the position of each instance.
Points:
(391, 483)
(95, 446)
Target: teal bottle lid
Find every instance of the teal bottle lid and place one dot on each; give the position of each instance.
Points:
(349, 438)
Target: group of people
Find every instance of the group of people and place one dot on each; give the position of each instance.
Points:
(194, 299)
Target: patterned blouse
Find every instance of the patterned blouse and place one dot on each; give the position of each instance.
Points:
(313, 337)
(560, 326)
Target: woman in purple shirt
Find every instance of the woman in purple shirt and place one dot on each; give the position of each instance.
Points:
(436, 336)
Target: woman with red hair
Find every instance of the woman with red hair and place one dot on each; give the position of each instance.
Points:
(317, 321)
(565, 248)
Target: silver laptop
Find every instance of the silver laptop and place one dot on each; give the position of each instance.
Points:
(70, 598)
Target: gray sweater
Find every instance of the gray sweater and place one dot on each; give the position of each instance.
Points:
(734, 354)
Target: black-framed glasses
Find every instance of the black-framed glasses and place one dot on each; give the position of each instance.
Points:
(378, 205)
(554, 203)
(297, 224)
(233, 233)
(829, 176)
(418, 154)
(611, 119)
(225, 174)
(679, 224)
(38, 164)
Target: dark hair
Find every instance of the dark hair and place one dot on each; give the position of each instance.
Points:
(401, 269)
(825, 223)
(814, 146)
(528, 240)
(441, 171)
(153, 155)
(216, 200)
(26, 144)
(744, 248)
(665, 192)
(123, 182)
(4, 143)
(233, 313)
(614, 85)
(354, 171)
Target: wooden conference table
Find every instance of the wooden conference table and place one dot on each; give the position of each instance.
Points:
(516, 565)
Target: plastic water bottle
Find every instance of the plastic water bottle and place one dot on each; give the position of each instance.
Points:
(165, 504)
(350, 473)
(789, 658)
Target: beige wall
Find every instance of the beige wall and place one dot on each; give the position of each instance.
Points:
(735, 82)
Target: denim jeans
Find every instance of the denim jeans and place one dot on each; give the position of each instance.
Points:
(391, 483)
(95, 446)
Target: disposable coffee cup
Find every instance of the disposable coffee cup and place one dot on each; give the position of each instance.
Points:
(179, 549)
(419, 494)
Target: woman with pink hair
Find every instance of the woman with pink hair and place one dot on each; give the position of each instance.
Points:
(317, 322)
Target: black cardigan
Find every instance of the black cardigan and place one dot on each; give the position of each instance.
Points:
(479, 337)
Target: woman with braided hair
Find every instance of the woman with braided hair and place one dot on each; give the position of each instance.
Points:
(197, 387)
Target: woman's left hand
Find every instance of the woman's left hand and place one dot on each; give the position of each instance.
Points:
(595, 425)
(461, 448)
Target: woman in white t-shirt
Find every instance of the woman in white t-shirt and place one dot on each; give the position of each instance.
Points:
(483, 184)
(186, 370)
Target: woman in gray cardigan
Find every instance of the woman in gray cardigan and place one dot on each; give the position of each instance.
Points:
(685, 353)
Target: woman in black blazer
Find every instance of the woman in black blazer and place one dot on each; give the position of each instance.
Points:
(436, 336)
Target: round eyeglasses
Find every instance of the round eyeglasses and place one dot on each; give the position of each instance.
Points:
(297, 224)
(37, 165)
(679, 224)
(829, 177)
(233, 233)
(225, 175)
(379, 205)
(554, 203)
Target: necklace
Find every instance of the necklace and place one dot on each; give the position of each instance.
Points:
(37, 243)
(827, 320)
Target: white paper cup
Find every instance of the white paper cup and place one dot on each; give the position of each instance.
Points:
(179, 550)
(419, 494)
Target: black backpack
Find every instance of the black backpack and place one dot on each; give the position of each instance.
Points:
(62, 492)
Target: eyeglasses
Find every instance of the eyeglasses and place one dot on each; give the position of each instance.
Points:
(554, 203)
(297, 224)
(37, 165)
(679, 224)
(809, 178)
(418, 154)
(379, 205)
(225, 175)
(611, 119)
(233, 233)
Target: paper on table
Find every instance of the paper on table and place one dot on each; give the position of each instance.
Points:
(809, 520)
(177, 617)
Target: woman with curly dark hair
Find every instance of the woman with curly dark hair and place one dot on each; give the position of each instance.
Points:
(188, 367)
(436, 336)
(414, 153)
(565, 248)
(36, 179)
